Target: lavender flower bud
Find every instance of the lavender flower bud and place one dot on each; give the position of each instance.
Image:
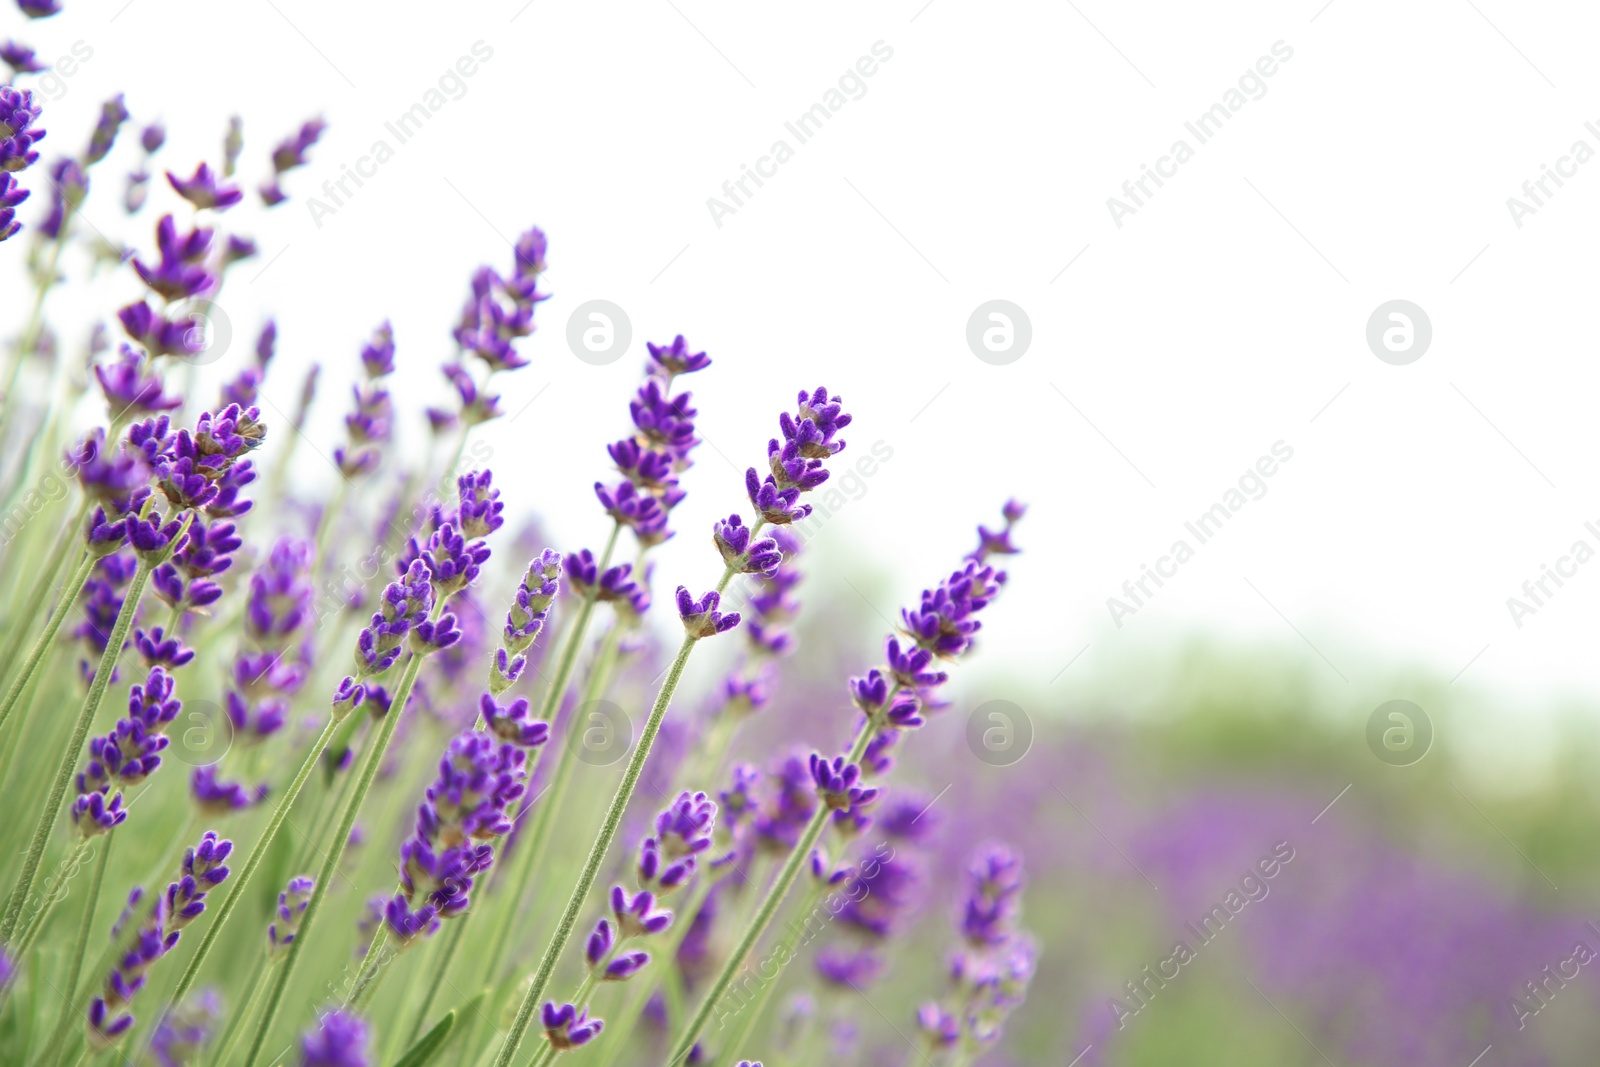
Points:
(701, 617)
(676, 359)
(566, 1027)
(347, 698)
(505, 670)
(637, 915)
(216, 797)
(112, 115)
(837, 783)
(513, 722)
(732, 539)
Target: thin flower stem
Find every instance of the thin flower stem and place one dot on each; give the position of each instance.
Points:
(335, 851)
(69, 596)
(764, 915)
(753, 1012)
(591, 867)
(373, 966)
(69, 754)
(236, 1025)
(621, 1024)
(58, 1037)
(241, 878)
(55, 892)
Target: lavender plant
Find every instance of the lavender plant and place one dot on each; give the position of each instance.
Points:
(386, 761)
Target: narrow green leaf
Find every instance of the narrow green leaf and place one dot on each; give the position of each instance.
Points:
(430, 1043)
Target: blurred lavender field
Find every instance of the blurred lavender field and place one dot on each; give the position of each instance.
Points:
(1418, 920)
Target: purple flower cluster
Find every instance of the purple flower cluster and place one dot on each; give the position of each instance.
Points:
(701, 617)
(497, 314)
(565, 1027)
(126, 756)
(288, 155)
(660, 448)
(990, 975)
(183, 902)
(102, 603)
(113, 113)
(464, 809)
(795, 465)
(205, 190)
(184, 582)
(18, 135)
(370, 425)
(151, 138)
(205, 469)
(406, 604)
(183, 1032)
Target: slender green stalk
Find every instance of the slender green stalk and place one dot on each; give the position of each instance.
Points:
(66, 540)
(69, 596)
(791, 869)
(55, 892)
(235, 1028)
(335, 851)
(591, 867)
(752, 1012)
(58, 1036)
(69, 754)
(241, 878)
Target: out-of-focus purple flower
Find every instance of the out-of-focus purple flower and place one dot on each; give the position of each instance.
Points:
(339, 1039)
(183, 1032)
(68, 187)
(285, 923)
(216, 797)
(701, 617)
(128, 388)
(12, 194)
(181, 272)
(152, 137)
(280, 601)
(480, 505)
(566, 1027)
(850, 968)
(627, 505)
(39, 9)
(113, 113)
(161, 336)
(18, 134)
(513, 722)
(20, 58)
(676, 359)
(838, 783)
(203, 870)
(789, 807)
(288, 155)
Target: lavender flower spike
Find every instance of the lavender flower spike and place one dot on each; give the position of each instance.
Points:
(291, 909)
(732, 539)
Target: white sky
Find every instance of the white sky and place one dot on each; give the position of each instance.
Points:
(1227, 314)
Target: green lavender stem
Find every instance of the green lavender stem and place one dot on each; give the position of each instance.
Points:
(75, 966)
(764, 915)
(69, 754)
(591, 866)
(69, 596)
(55, 892)
(236, 1025)
(335, 851)
(753, 1012)
(241, 878)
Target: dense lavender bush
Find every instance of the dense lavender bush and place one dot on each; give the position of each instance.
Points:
(398, 849)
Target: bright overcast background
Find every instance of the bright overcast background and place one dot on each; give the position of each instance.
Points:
(1225, 315)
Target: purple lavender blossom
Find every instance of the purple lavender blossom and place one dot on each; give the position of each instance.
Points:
(184, 1031)
(216, 797)
(20, 58)
(701, 617)
(184, 901)
(158, 649)
(289, 155)
(513, 722)
(838, 783)
(406, 603)
(465, 807)
(339, 1040)
(292, 903)
(732, 538)
(113, 113)
(159, 335)
(675, 359)
(128, 388)
(181, 271)
(566, 1027)
(18, 134)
